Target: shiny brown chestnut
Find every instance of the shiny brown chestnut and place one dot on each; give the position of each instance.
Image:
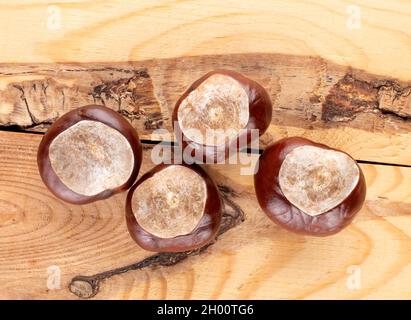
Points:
(218, 113)
(89, 154)
(173, 208)
(309, 188)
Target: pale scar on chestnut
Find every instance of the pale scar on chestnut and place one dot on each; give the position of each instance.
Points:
(316, 180)
(90, 157)
(168, 207)
(215, 111)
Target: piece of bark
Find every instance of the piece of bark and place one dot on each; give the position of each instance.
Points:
(34, 96)
(363, 114)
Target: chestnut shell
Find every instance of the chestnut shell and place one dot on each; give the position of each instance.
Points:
(260, 115)
(285, 214)
(204, 232)
(95, 113)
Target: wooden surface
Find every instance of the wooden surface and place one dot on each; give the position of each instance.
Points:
(255, 259)
(101, 30)
(329, 81)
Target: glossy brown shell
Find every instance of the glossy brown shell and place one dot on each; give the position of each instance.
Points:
(94, 113)
(282, 212)
(260, 112)
(204, 232)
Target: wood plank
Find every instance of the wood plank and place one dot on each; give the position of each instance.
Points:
(363, 114)
(110, 30)
(256, 259)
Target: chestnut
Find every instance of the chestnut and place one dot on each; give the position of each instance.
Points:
(218, 113)
(89, 154)
(173, 208)
(307, 187)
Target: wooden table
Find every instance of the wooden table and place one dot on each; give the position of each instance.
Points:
(337, 73)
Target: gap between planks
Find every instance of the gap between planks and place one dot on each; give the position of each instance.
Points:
(249, 151)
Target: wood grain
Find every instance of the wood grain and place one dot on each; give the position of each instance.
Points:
(345, 85)
(109, 30)
(255, 259)
(363, 114)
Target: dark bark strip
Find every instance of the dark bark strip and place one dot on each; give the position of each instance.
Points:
(351, 96)
(88, 286)
(306, 91)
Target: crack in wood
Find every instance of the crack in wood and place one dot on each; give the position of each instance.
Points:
(23, 98)
(103, 69)
(88, 286)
